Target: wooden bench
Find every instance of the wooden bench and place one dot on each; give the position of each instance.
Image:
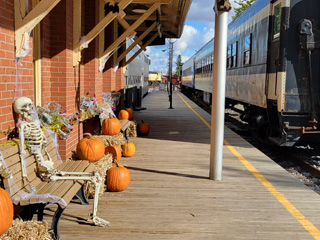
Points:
(56, 191)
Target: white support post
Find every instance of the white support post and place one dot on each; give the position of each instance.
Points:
(218, 92)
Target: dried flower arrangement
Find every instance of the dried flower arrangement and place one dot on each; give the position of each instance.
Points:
(89, 107)
(51, 117)
(112, 99)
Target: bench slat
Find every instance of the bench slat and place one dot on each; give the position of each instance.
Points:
(17, 172)
(44, 187)
(124, 124)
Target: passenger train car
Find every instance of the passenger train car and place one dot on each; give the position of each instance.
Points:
(273, 69)
(136, 78)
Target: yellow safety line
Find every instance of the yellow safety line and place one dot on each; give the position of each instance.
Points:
(278, 195)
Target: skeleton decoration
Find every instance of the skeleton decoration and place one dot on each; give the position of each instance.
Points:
(35, 139)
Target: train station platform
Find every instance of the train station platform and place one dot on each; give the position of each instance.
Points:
(170, 195)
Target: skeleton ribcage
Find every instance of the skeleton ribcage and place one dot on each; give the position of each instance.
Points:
(34, 137)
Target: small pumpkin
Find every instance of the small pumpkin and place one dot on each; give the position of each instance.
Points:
(128, 149)
(111, 126)
(115, 150)
(123, 114)
(6, 211)
(143, 129)
(90, 148)
(131, 113)
(118, 178)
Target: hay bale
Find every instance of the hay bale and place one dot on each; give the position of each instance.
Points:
(101, 167)
(118, 139)
(28, 230)
(132, 129)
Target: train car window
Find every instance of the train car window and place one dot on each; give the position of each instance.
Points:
(234, 51)
(229, 57)
(276, 20)
(247, 49)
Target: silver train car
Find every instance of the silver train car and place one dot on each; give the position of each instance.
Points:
(136, 78)
(272, 69)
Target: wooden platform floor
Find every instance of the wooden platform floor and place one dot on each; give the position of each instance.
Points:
(171, 197)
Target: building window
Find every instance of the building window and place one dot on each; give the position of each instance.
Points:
(276, 20)
(247, 50)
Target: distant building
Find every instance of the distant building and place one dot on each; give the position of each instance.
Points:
(175, 79)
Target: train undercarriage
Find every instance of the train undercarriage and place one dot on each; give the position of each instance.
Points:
(282, 129)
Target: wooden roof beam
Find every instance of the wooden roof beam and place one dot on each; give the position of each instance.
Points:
(142, 48)
(151, 18)
(125, 25)
(127, 33)
(139, 39)
(78, 45)
(25, 24)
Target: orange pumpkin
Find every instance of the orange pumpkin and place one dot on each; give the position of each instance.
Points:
(143, 129)
(111, 126)
(123, 114)
(118, 178)
(128, 149)
(6, 211)
(90, 148)
(131, 113)
(115, 150)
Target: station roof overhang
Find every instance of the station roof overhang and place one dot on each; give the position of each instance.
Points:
(155, 21)
(170, 14)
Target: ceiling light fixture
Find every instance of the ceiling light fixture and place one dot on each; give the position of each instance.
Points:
(139, 9)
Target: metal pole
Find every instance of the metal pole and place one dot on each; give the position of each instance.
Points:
(170, 72)
(218, 92)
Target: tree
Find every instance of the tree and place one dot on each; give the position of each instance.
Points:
(179, 66)
(243, 5)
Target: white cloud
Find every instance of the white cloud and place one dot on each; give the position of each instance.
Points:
(184, 58)
(201, 10)
(148, 50)
(189, 39)
(208, 34)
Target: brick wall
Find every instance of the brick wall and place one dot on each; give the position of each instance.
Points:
(60, 81)
(16, 77)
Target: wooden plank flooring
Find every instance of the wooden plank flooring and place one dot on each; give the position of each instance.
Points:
(171, 197)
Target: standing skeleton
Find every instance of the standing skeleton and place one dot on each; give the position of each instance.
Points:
(32, 134)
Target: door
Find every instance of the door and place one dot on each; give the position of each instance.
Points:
(274, 49)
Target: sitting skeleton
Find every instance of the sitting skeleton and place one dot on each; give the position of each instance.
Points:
(35, 139)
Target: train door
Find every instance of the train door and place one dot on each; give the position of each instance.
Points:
(274, 50)
(273, 68)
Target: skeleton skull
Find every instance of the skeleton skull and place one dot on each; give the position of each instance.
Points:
(24, 106)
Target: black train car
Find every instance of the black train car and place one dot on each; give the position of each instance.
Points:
(273, 69)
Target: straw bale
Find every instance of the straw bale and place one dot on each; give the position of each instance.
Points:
(28, 230)
(118, 139)
(101, 167)
(132, 129)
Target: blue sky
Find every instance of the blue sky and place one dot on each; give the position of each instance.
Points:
(198, 30)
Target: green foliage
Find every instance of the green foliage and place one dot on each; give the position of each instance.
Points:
(243, 5)
(179, 66)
